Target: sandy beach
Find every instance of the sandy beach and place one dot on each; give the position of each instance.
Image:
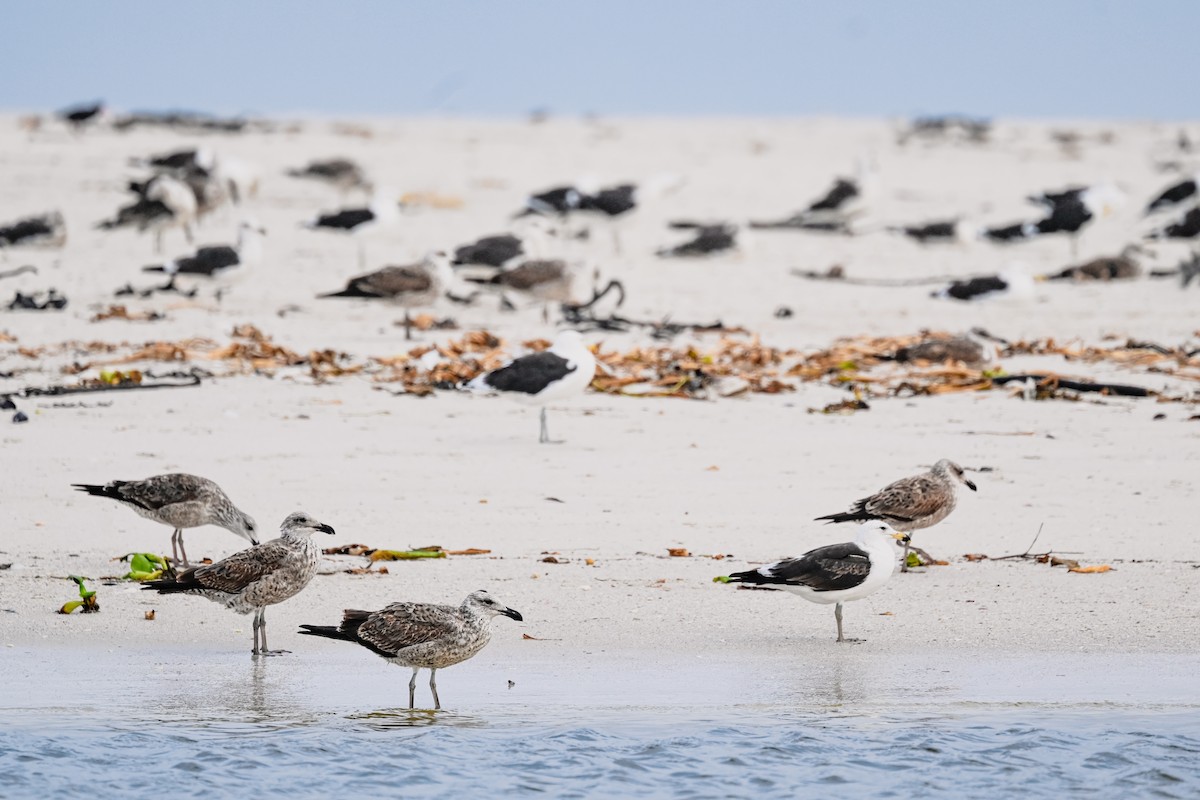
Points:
(1106, 480)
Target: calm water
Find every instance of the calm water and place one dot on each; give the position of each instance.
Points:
(293, 727)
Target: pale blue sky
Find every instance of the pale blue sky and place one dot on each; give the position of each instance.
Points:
(1028, 58)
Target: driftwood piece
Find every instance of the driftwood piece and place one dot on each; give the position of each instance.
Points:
(53, 391)
(1054, 381)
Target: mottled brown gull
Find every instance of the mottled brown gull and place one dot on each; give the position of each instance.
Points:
(836, 573)
(421, 635)
(181, 501)
(261, 576)
(913, 503)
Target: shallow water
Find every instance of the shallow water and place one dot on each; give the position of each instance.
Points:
(135, 723)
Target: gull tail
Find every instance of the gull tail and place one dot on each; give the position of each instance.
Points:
(98, 491)
(328, 631)
(857, 515)
(751, 576)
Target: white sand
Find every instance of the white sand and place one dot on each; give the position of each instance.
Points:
(1107, 481)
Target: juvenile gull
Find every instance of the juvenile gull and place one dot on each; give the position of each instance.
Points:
(163, 201)
(410, 286)
(564, 370)
(261, 576)
(341, 173)
(836, 573)
(421, 635)
(181, 501)
(911, 504)
(708, 239)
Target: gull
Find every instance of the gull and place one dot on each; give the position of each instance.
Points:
(260, 576)
(1179, 195)
(382, 211)
(181, 501)
(836, 573)
(341, 173)
(911, 504)
(410, 286)
(214, 260)
(41, 230)
(564, 370)
(708, 239)
(163, 201)
(421, 635)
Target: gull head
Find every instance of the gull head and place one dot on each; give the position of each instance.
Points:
(876, 528)
(484, 603)
(300, 524)
(949, 469)
(245, 526)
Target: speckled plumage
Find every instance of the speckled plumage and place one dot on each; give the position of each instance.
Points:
(421, 635)
(181, 501)
(911, 504)
(263, 575)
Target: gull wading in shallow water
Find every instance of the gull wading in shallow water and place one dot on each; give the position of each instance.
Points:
(421, 635)
(911, 504)
(181, 501)
(836, 573)
(253, 579)
(564, 370)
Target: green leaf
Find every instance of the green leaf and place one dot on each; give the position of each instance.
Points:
(721, 579)
(914, 560)
(69, 607)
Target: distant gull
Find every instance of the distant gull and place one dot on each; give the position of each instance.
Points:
(1106, 268)
(950, 230)
(1186, 228)
(409, 286)
(163, 202)
(547, 280)
(83, 114)
(178, 160)
(421, 635)
(341, 173)
(1175, 196)
(1072, 209)
(558, 201)
(836, 573)
(490, 251)
(911, 504)
(708, 240)
(180, 501)
(261, 576)
(382, 211)
(218, 259)
(41, 230)
(565, 370)
(612, 204)
(1010, 282)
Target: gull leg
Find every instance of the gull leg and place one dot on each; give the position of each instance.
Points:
(412, 689)
(262, 632)
(904, 558)
(545, 436)
(182, 549)
(175, 562)
(158, 237)
(437, 704)
(255, 626)
(362, 255)
(407, 326)
(837, 614)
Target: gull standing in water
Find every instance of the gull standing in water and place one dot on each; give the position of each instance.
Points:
(180, 501)
(836, 573)
(564, 370)
(261, 576)
(421, 635)
(911, 504)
